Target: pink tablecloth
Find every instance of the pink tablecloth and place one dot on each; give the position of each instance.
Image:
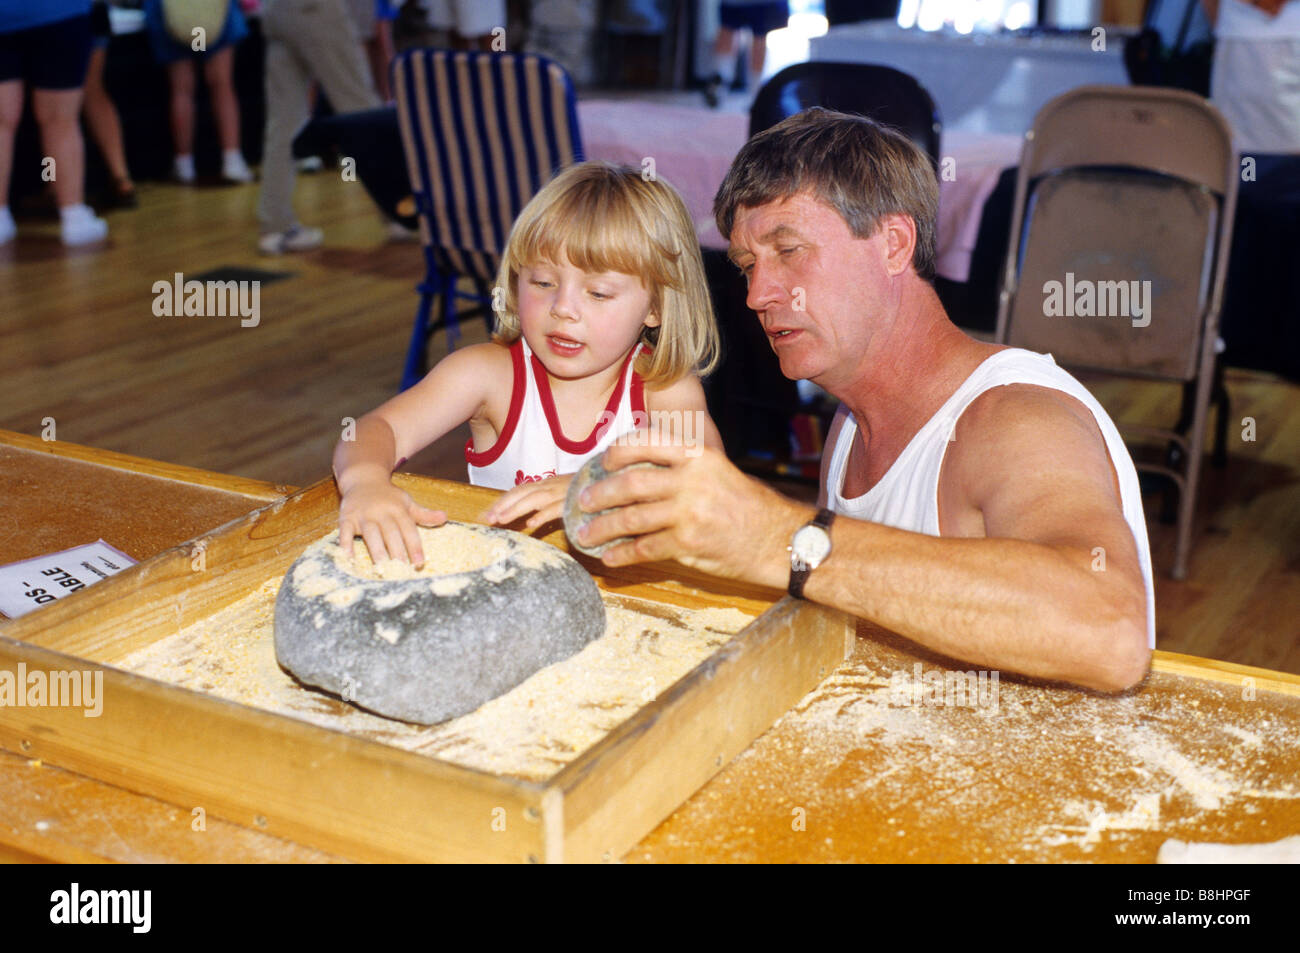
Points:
(965, 184)
(692, 148)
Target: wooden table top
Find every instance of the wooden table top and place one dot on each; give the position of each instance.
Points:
(57, 495)
(885, 761)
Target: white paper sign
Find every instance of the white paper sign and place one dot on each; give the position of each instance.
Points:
(33, 583)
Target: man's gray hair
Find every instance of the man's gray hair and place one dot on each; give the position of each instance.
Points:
(860, 168)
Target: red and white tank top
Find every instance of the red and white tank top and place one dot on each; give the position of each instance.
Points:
(532, 445)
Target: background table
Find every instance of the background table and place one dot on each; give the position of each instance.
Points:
(981, 82)
(693, 148)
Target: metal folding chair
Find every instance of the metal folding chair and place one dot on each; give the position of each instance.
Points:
(482, 133)
(1118, 252)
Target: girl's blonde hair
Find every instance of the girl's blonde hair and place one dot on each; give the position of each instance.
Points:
(605, 217)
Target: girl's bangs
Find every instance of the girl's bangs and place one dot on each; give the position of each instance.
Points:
(597, 231)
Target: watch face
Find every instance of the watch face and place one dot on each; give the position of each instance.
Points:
(811, 545)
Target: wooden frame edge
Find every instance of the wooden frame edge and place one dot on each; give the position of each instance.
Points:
(243, 486)
(261, 770)
(607, 812)
(1213, 670)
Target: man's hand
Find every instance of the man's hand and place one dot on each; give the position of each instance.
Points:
(544, 500)
(697, 508)
(386, 518)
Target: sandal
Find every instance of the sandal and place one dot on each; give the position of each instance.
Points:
(121, 194)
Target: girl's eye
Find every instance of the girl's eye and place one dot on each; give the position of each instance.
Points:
(600, 295)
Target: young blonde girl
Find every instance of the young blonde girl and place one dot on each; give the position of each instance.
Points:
(606, 322)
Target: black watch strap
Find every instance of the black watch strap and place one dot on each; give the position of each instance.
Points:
(799, 576)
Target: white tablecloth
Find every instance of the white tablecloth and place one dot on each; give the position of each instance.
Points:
(981, 83)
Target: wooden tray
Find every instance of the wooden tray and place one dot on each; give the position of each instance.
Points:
(368, 800)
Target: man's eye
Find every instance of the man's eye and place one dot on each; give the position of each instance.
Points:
(789, 249)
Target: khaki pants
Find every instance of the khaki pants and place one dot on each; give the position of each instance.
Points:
(305, 40)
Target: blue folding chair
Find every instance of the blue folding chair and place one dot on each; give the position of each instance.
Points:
(482, 133)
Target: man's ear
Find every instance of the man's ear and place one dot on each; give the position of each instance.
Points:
(900, 242)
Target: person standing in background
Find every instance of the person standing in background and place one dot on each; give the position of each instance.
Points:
(1256, 78)
(162, 17)
(377, 33)
(759, 18)
(470, 22)
(46, 46)
(102, 119)
(305, 40)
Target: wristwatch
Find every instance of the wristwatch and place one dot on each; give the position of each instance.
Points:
(808, 549)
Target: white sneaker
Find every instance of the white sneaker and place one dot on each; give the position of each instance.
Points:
(8, 228)
(81, 227)
(397, 232)
(298, 238)
(183, 169)
(234, 168)
(309, 164)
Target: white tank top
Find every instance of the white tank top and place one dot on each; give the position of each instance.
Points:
(907, 496)
(532, 445)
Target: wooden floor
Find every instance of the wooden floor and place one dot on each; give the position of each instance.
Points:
(80, 343)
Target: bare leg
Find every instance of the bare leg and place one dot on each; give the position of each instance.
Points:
(57, 111)
(181, 75)
(11, 110)
(724, 58)
(757, 57)
(380, 52)
(101, 117)
(724, 45)
(218, 70)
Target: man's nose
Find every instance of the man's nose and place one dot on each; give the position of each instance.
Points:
(764, 290)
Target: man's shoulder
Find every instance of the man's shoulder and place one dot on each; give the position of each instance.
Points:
(1018, 405)
(1019, 388)
(1026, 433)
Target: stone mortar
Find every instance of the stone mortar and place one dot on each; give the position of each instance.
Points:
(433, 647)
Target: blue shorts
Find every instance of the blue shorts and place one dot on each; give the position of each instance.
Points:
(761, 18)
(167, 50)
(50, 56)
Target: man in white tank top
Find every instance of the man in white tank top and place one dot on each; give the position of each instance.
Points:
(977, 499)
(1256, 78)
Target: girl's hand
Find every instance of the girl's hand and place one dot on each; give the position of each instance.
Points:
(386, 518)
(545, 500)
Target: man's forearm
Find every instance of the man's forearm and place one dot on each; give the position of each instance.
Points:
(1000, 603)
